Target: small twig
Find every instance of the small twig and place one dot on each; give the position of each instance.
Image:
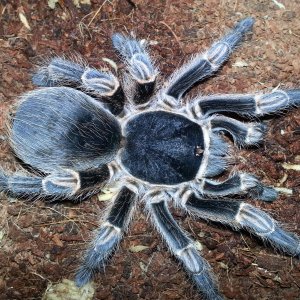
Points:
(174, 34)
(96, 13)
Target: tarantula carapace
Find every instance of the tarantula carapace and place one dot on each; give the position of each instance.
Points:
(79, 133)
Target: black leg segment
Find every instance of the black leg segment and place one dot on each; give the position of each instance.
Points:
(103, 86)
(107, 237)
(242, 215)
(245, 104)
(183, 248)
(21, 186)
(139, 65)
(238, 184)
(64, 184)
(242, 133)
(206, 64)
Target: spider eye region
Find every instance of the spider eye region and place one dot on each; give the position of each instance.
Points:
(162, 148)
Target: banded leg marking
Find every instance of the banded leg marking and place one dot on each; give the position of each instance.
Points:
(206, 64)
(183, 248)
(237, 184)
(104, 86)
(107, 237)
(139, 65)
(242, 215)
(244, 104)
(64, 184)
(242, 133)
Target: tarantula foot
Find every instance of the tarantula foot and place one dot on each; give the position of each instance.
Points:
(245, 25)
(255, 133)
(264, 226)
(83, 276)
(200, 272)
(285, 241)
(208, 292)
(264, 193)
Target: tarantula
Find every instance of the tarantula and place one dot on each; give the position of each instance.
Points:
(79, 133)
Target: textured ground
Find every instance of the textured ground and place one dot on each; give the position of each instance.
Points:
(41, 243)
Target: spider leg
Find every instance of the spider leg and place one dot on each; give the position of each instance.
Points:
(66, 184)
(107, 237)
(242, 215)
(103, 86)
(244, 104)
(215, 157)
(184, 249)
(242, 133)
(139, 65)
(240, 183)
(204, 65)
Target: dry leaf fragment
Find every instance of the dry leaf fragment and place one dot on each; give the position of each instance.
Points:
(240, 64)
(24, 21)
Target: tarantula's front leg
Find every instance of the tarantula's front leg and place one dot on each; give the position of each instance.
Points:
(205, 64)
(140, 67)
(183, 248)
(242, 133)
(102, 85)
(239, 183)
(242, 215)
(244, 104)
(107, 237)
(66, 184)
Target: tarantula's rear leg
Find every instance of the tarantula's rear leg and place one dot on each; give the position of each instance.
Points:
(240, 183)
(242, 215)
(108, 236)
(66, 184)
(139, 65)
(205, 64)
(102, 85)
(183, 248)
(244, 104)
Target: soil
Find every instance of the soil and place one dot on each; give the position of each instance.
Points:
(42, 243)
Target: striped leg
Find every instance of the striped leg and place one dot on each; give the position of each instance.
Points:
(108, 236)
(67, 184)
(183, 248)
(240, 183)
(206, 64)
(242, 215)
(102, 85)
(244, 104)
(242, 133)
(139, 65)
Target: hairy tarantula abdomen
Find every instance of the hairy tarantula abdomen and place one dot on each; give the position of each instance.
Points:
(65, 128)
(162, 147)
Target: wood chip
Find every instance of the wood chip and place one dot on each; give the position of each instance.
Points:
(291, 167)
(138, 248)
